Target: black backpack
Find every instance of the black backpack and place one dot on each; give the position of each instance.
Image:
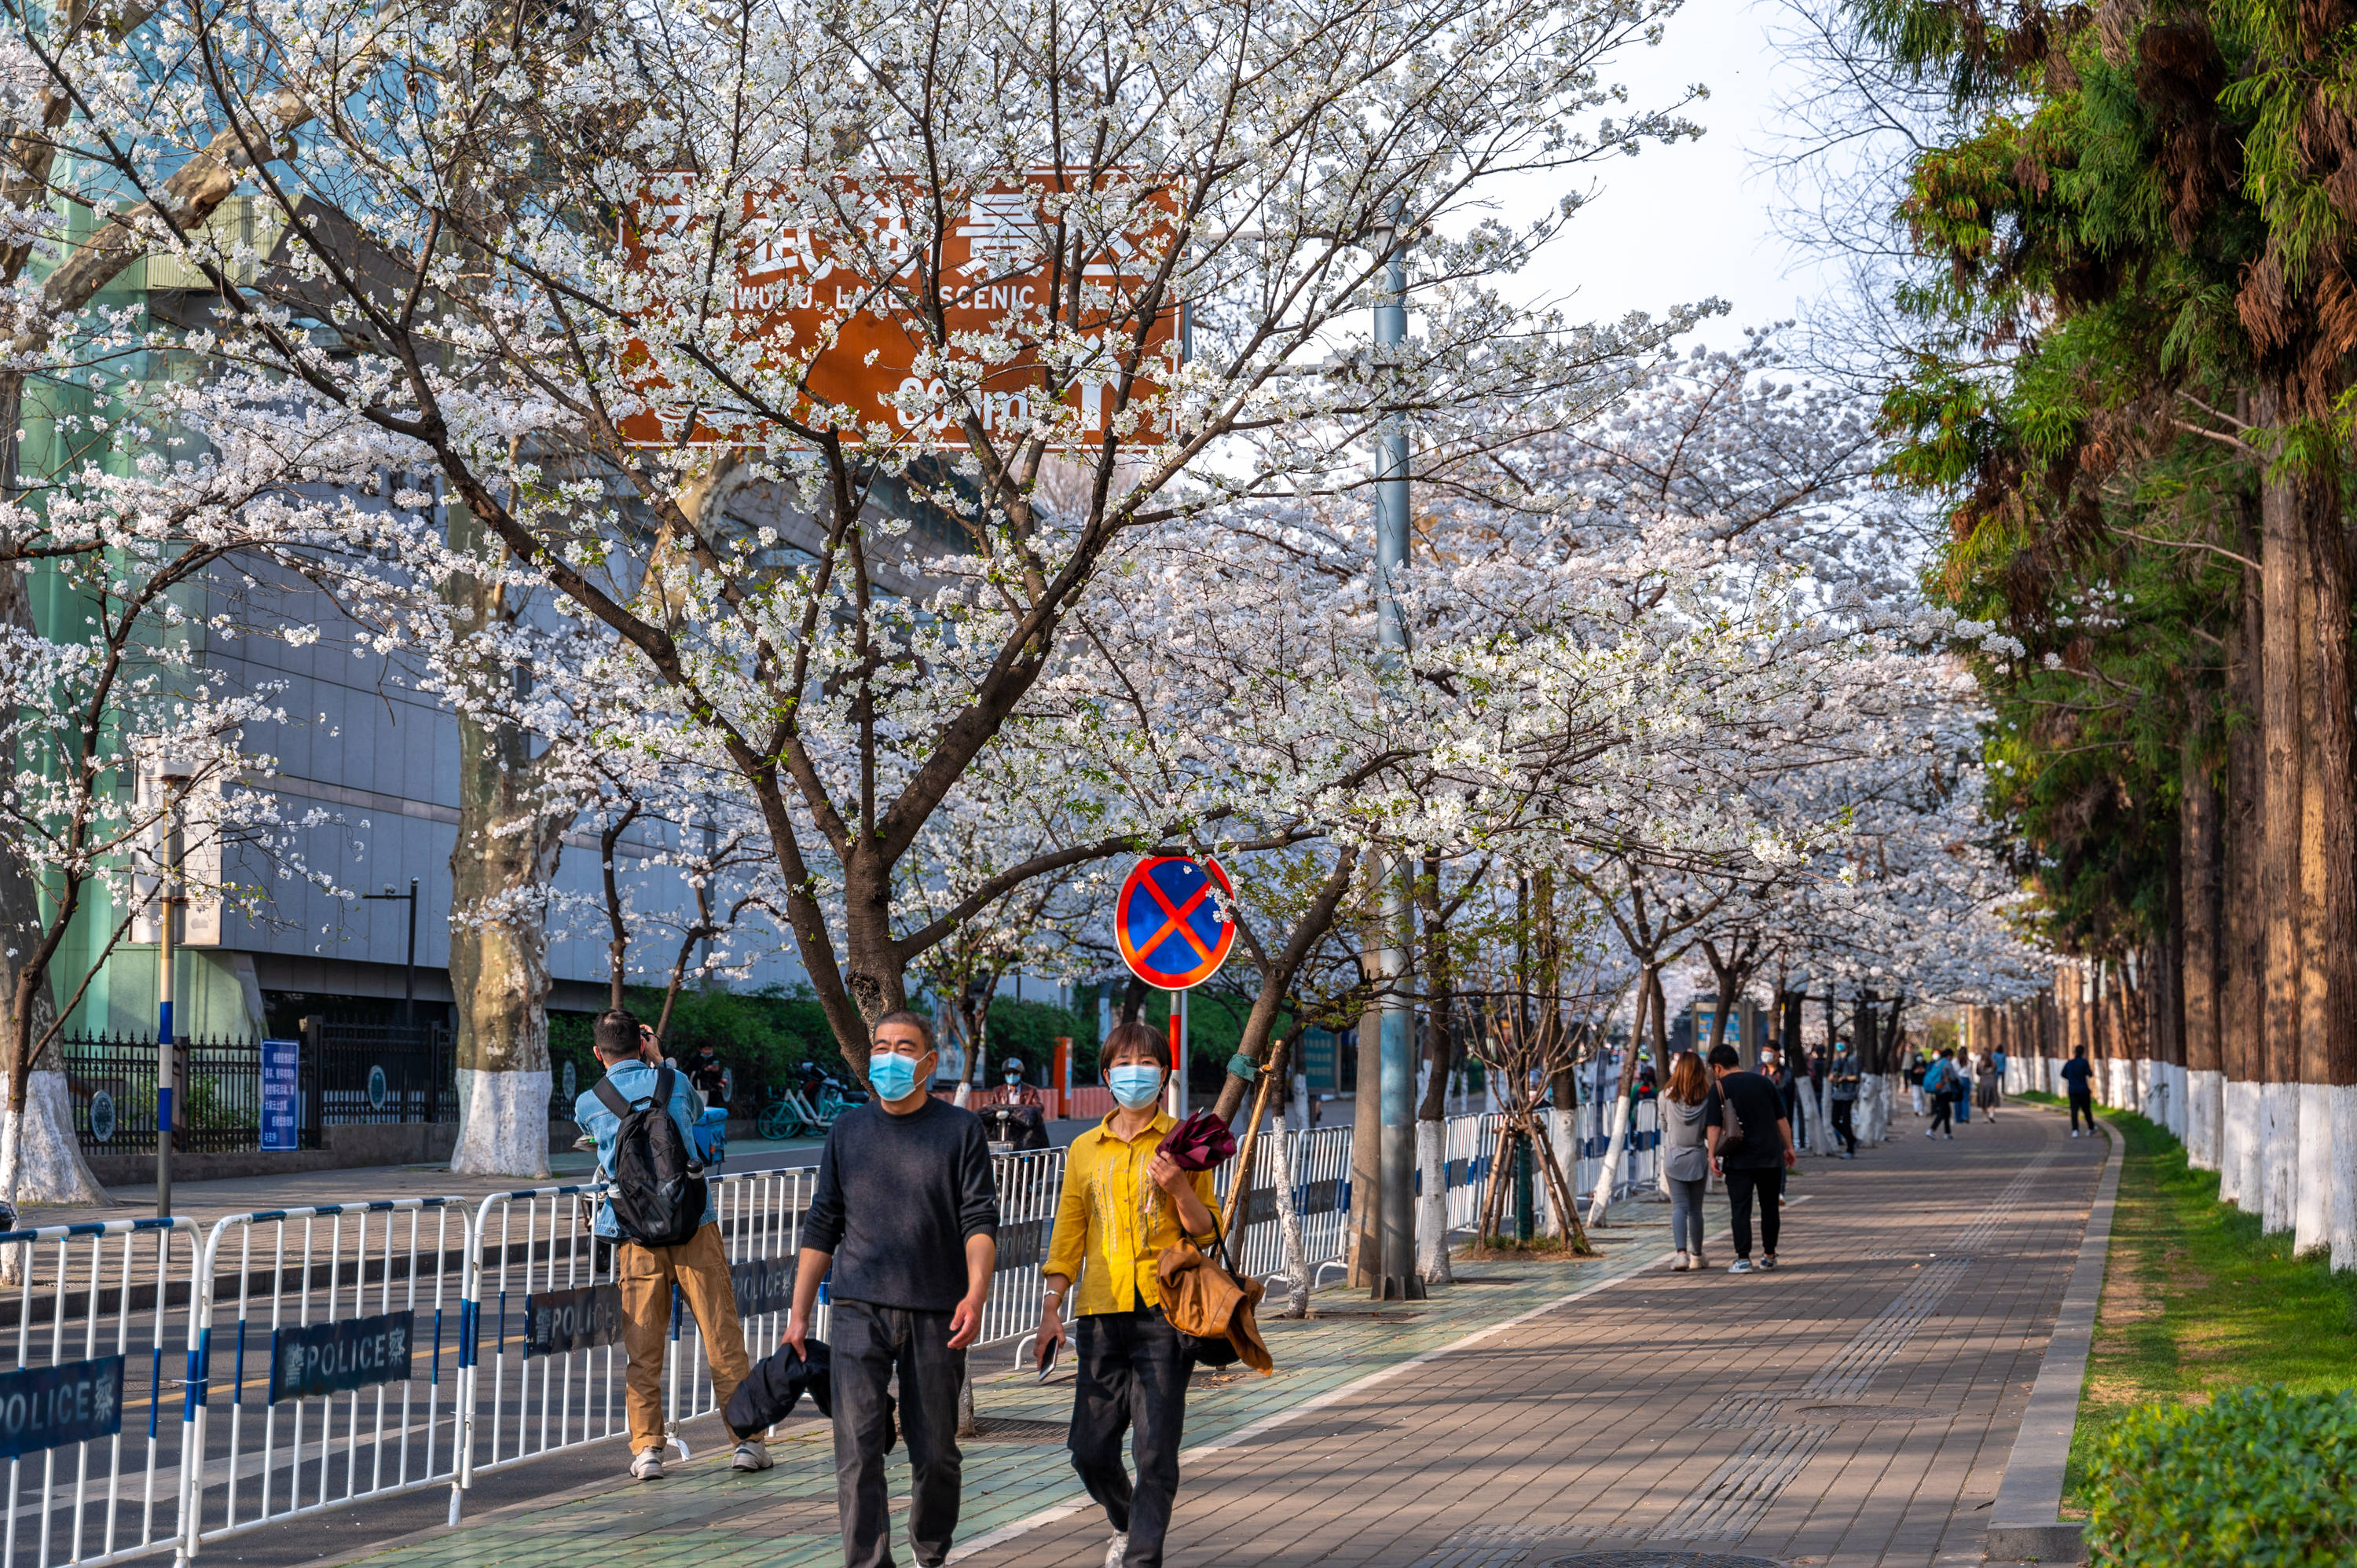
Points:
(656, 1194)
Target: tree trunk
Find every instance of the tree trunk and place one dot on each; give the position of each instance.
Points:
(2327, 1059)
(40, 1158)
(2244, 1038)
(1294, 1254)
(511, 831)
(2283, 545)
(2199, 869)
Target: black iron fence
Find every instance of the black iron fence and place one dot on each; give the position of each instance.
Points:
(347, 1072)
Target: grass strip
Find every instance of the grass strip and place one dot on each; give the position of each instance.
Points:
(2195, 1300)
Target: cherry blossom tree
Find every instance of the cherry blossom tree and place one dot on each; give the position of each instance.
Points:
(116, 730)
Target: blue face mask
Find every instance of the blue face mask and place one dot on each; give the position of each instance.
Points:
(893, 1075)
(1135, 1085)
(1013, 1079)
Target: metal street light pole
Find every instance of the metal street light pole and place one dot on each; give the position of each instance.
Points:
(1398, 1279)
(167, 1058)
(409, 966)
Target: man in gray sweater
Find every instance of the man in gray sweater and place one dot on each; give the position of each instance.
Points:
(906, 1215)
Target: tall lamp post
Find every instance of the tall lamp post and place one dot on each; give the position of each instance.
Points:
(168, 900)
(1395, 1221)
(409, 966)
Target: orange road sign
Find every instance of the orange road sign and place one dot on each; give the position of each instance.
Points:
(851, 320)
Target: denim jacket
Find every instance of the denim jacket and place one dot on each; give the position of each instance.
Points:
(634, 1081)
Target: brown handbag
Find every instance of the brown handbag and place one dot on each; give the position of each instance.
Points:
(1211, 1307)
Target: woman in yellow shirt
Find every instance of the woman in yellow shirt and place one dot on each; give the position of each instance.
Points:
(1122, 1202)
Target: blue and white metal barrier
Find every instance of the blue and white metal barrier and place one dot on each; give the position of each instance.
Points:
(94, 1456)
(342, 1317)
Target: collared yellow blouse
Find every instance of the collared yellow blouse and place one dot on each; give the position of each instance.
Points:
(1111, 1218)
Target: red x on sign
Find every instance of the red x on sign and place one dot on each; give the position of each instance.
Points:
(1167, 924)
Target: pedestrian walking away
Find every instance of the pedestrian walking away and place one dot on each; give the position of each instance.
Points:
(659, 1215)
(1943, 1085)
(1685, 1159)
(1985, 1086)
(906, 1216)
(1123, 1200)
(1841, 1091)
(2076, 1078)
(1751, 1146)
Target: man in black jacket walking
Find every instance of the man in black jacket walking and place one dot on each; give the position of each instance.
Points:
(906, 1214)
(1753, 1161)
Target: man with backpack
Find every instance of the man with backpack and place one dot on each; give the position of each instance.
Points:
(657, 1213)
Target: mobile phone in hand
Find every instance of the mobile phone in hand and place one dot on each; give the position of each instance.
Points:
(1048, 1349)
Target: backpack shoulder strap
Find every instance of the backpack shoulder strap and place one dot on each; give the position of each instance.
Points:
(664, 1076)
(611, 1098)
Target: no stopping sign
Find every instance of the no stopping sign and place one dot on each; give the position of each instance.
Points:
(1170, 928)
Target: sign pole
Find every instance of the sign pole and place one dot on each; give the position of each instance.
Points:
(1174, 1092)
(1395, 1211)
(167, 1062)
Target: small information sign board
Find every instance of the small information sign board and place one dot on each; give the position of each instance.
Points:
(282, 1062)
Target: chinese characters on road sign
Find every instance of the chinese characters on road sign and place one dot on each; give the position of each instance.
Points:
(853, 319)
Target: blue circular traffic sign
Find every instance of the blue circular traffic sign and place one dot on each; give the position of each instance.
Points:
(1172, 932)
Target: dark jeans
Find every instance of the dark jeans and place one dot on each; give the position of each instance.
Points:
(1942, 1112)
(2082, 1104)
(871, 1343)
(1768, 1183)
(1132, 1378)
(1844, 1115)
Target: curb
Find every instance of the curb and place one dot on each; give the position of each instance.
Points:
(2026, 1522)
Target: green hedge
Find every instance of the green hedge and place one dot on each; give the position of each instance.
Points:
(2256, 1479)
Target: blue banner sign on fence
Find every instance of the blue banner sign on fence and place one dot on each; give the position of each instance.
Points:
(281, 1072)
(332, 1357)
(49, 1407)
(763, 1286)
(557, 1321)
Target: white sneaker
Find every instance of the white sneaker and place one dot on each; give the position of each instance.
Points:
(1700, 1262)
(1116, 1549)
(648, 1466)
(753, 1454)
(1741, 1266)
(1680, 1264)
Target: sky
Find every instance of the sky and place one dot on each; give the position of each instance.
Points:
(1693, 221)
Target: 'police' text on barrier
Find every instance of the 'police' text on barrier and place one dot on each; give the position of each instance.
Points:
(763, 1286)
(557, 1321)
(331, 1358)
(49, 1407)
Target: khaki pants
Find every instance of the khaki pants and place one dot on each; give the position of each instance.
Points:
(647, 1273)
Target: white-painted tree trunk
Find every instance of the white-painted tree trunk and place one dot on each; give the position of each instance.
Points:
(1293, 1256)
(1609, 1177)
(1873, 1112)
(1431, 1202)
(2343, 1105)
(2205, 1116)
(2311, 1220)
(2242, 1161)
(1563, 1138)
(41, 1159)
(2279, 1155)
(503, 1124)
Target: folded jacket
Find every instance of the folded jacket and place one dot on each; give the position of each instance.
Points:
(775, 1384)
